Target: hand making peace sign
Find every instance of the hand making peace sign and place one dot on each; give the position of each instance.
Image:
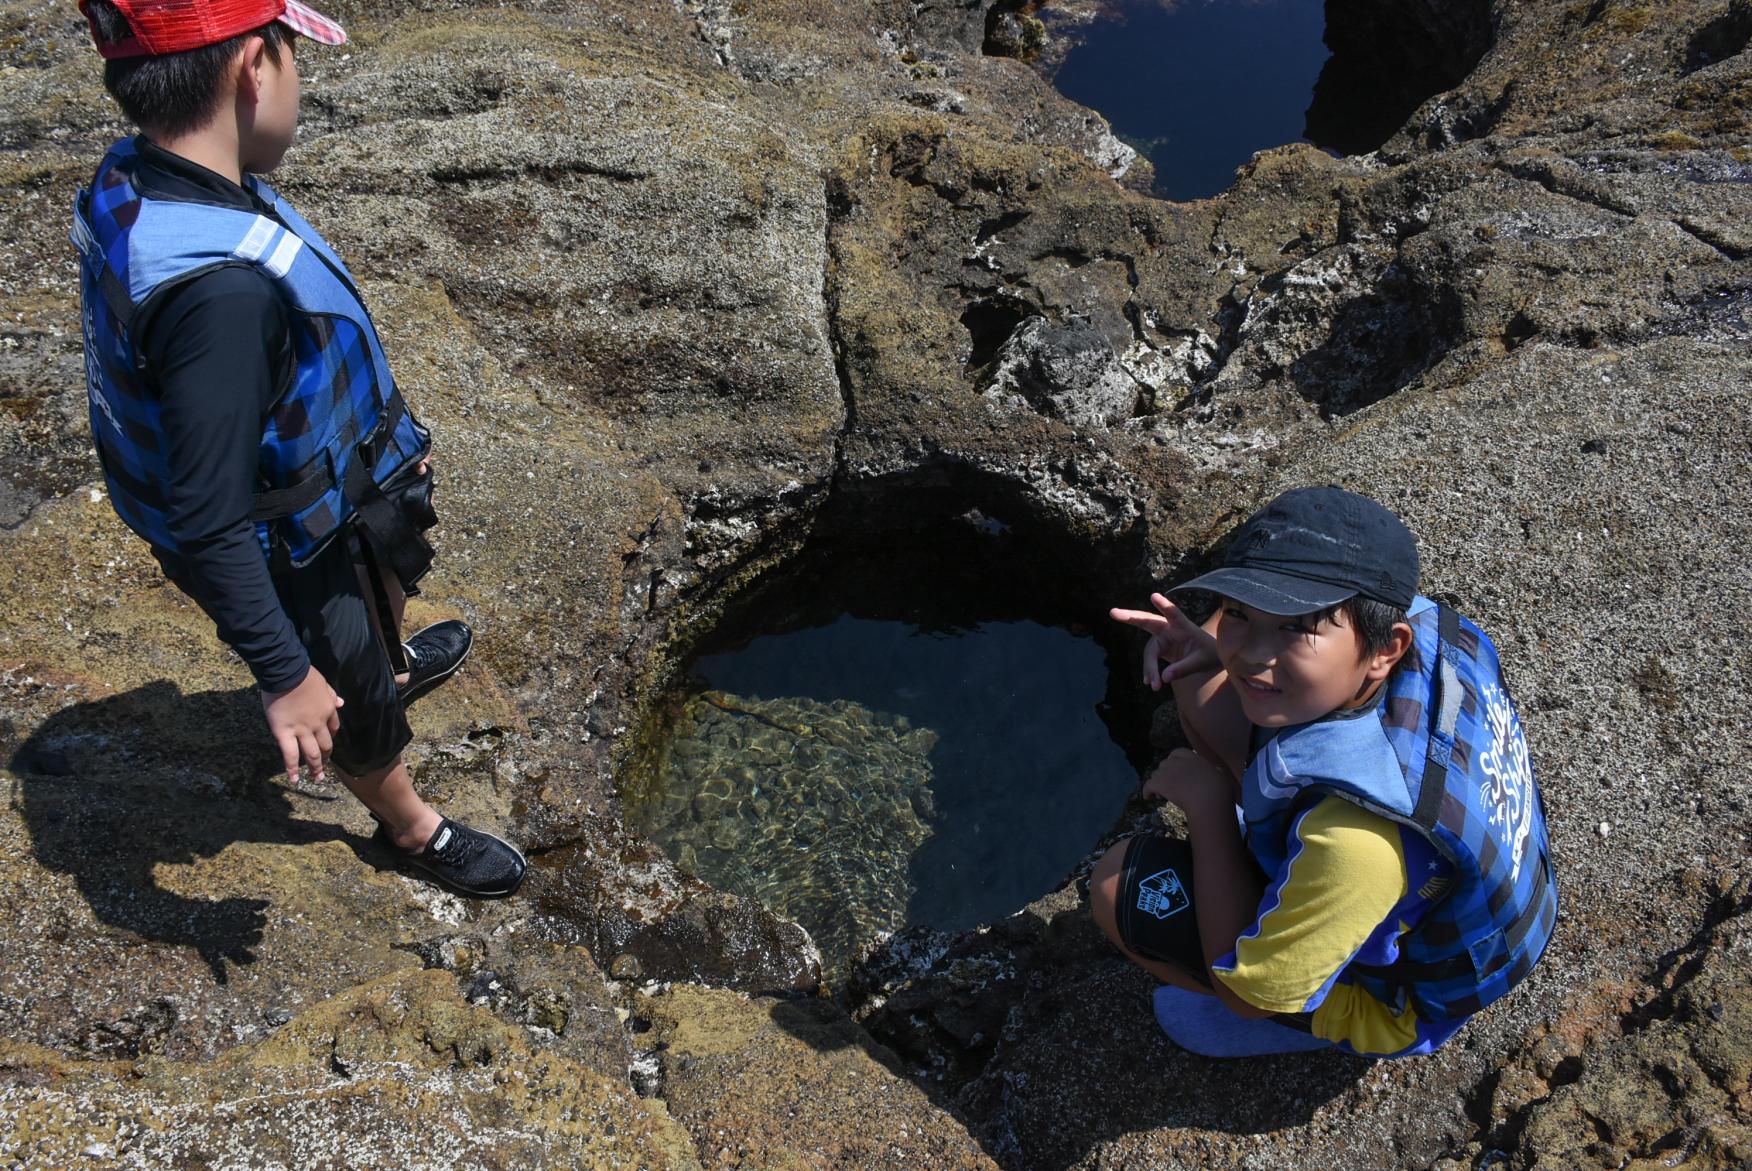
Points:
(1178, 646)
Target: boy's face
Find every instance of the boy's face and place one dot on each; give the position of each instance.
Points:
(1287, 669)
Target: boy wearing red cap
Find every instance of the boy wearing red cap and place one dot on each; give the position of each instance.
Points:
(245, 416)
(1366, 863)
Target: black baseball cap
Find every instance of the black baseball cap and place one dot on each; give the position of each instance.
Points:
(1315, 547)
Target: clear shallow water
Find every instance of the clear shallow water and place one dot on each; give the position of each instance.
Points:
(868, 774)
(1198, 86)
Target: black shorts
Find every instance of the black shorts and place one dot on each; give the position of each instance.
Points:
(333, 616)
(1154, 909)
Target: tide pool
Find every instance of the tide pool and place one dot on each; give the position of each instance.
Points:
(1198, 86)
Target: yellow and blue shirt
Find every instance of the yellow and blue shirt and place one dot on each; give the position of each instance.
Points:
(1343, 892)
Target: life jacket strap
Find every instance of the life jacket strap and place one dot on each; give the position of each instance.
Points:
(115, 293)
(1403, 972)
(386, 525)
(283, 502)
(1445, 704)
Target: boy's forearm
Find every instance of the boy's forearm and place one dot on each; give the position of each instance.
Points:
(229, 580)
(219, 350)
(1226, 890)
(1211, 716)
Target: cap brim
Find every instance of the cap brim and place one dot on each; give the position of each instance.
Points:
(1275, 593)
(308, 22)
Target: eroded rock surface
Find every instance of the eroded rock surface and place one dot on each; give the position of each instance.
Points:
(791, 1084)
(674, 284)
(400, 1071)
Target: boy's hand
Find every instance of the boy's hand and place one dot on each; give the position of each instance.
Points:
(1191, 782)
(303, 722)
(1175, 639)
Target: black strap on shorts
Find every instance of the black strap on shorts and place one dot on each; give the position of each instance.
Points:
(386, 527)
(388, 629)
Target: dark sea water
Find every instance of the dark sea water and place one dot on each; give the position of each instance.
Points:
(1198, 86)
(1020, 778)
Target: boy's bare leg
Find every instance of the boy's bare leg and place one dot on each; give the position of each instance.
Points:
(398, 602)
(1104, 897)
(1211, 716)
(389, 793)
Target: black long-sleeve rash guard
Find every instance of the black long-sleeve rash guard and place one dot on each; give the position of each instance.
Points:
(217, 349)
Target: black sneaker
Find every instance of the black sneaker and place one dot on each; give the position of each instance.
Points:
(468, 861)
(434, 654)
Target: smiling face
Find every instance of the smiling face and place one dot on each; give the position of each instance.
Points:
(1289, 670)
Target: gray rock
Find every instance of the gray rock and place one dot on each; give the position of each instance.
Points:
(1068, 373)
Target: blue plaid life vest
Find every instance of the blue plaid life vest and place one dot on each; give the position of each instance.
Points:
(336, 434)
(1445, 756)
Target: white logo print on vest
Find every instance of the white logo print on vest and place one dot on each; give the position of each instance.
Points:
(1508, 787)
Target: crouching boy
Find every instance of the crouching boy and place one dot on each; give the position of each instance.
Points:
(245, 416)
(1387, 873)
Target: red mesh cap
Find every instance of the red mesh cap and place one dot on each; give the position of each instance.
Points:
(174, 26)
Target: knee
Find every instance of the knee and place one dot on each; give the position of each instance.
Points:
(1104, 883)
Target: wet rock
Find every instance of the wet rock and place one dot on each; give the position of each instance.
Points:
(633, 903)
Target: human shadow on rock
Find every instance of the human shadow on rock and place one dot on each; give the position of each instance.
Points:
(112, 788)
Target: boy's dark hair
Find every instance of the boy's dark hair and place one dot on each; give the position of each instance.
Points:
(1374, 622)
(174, 93)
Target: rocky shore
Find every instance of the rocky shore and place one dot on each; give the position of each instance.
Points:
(687, 288)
